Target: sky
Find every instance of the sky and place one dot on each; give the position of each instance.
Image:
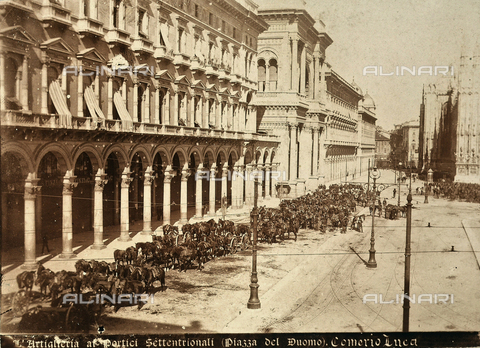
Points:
(391, 33)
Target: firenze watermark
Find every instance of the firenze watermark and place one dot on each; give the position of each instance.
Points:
(430, 70)
(249, 176)
(131, 299)
(400, 299)
(110, 71)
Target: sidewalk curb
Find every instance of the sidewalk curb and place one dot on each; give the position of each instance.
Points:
(470, 226)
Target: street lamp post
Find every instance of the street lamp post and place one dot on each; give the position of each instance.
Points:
(426, 193)
(254, 301)
(399, 179)
(375, 174)
(406, 298)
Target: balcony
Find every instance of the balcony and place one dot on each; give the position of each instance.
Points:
(118, 36)
(212, 68)
(142, 45)
(16, 7)
(197, 65)
(181, 59)
(53, 13)
(89, 26)
(160, 53)
(18, 120)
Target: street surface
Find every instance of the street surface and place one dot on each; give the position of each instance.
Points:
(318, 284)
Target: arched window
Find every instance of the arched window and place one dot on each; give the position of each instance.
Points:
(261, 75)
(273, 74)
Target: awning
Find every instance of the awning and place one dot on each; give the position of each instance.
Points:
(127, 122)
(92, 105)
(58, 99)
(164, 33)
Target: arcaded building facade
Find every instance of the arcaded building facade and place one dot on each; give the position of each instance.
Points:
(117, 111)
(325, 136)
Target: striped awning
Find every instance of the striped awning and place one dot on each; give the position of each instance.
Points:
(60, 103)
(127, 122)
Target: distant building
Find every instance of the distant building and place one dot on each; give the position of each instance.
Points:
(450, 123)
(410, 136)
(382, 148)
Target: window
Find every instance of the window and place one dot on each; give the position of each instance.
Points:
(197, 12)
(180, 40)
(223, 26)
(261, 75)
(118, 14)
(234, 35)
(141, 24)
(162, 40)
(210, 19)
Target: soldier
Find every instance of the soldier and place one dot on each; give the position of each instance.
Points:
(45, 242)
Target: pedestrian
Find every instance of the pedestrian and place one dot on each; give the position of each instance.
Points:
(394, 192)
(45, 242)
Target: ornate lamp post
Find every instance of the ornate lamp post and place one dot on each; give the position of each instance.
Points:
(375, 174)
(406, 299)
(254, 301)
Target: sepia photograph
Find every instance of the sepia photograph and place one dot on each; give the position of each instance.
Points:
(240, 173)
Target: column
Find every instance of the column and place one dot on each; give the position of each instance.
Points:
(224, 180)
(274, 183)
(44, 88)
(183, 108)
(109, 97)
(315, 151)
(175, 108)
(31, 190)
(311, 85)
(322, 88)
(191, 117)
(147, 201)
(100, 182)
(267, 77)
(80, 92)
(293, 152)
(166, 118)
(211, 195)
(158, 107)
(302, 69)
(237, 186)
(124, 209)
(135, 100)
(198, 192)
(217, 114)
(183, 196)
(67, 227)
(166, 194)
(249, 185)
(315, 77)
(295, 64)
(204, 112)
(268, 169)
(24, 93)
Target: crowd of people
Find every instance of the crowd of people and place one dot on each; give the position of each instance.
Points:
(456, 191)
